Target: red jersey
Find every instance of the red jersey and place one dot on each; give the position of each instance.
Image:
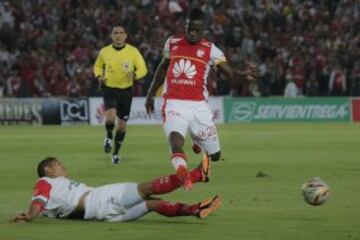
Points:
(189, 67)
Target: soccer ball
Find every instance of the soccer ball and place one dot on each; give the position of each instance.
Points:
(315, 191)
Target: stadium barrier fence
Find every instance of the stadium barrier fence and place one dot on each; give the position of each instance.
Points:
(68, 111)
(287, 110)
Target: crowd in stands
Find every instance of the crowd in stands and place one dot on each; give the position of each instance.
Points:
(48, 47)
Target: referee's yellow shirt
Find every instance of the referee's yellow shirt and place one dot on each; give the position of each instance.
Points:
(116, 64)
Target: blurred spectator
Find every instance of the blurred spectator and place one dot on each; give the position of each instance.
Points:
(7, 15)
(355, 80)
(312, 86)
(337, 81)
(13, 83)
(73, 88)
(291, 89)
(2, 88)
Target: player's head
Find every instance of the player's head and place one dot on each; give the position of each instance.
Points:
(51, 167)
(195, 25)
(118, 35)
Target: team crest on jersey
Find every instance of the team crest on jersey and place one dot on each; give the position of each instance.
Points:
(184, 67)
(126, 66)
(200, 53)
(175, 40)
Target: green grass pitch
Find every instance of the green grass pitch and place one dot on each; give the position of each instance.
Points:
(254, 208)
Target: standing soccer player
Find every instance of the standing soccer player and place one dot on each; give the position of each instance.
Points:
(116, 68)
(184, 69)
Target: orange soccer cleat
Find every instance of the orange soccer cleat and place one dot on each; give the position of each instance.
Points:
(208, 206)
(205, 168)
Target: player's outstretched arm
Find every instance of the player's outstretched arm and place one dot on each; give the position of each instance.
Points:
(33, 211)
(248, 72)
(158, 80)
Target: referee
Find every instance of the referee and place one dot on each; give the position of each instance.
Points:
(116, 68)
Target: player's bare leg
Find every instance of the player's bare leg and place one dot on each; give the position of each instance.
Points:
(178, 159)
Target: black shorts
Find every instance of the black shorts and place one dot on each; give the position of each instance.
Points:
(120, 99)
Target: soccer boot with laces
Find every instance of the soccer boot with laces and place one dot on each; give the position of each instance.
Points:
(184, 176)
(208, 206)
(107, 145)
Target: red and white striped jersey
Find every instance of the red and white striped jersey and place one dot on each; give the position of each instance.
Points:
(58, 197)
(189, 67)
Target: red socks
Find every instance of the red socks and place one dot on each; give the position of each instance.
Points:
(169, 209)
(170, 183)
(196, 175)
(165, 184)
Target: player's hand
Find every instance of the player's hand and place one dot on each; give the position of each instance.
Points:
(149, 105)
(101, 85)
(102, 79)
(21, 218)
(131, 76)
(250, 72)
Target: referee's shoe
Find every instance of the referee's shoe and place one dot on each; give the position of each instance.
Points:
(107, 145)
(115, 159)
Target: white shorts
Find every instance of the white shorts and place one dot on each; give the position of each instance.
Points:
(111, 201)
(194, 117)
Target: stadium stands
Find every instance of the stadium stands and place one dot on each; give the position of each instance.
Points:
(47, 48)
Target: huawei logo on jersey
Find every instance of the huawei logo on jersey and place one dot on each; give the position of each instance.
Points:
(184, 67)
(200, 53)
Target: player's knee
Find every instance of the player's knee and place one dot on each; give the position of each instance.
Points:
(215, 156)
(121, 126)
(144, 190)
(152, 204)
(176, 140)
(110, 115)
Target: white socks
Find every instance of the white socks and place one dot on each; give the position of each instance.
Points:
(178, 161)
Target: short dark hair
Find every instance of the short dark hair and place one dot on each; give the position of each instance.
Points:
(196, 14)
(42, 164)
(118, 25)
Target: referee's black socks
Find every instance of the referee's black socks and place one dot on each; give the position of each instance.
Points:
(119, 138)
(109, 129)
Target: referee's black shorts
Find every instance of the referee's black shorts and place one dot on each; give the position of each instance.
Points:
(120, 99)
